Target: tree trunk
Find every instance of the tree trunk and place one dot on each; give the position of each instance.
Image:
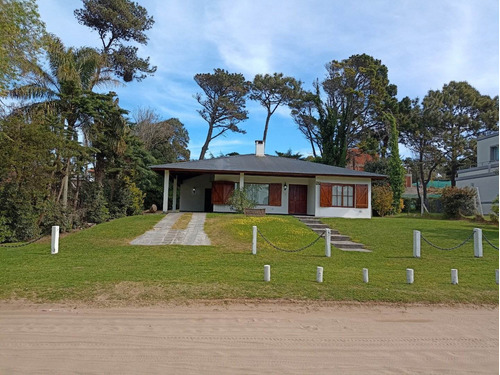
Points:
(66, 185)
(266, 127)
(207, 142)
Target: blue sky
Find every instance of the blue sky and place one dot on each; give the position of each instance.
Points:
(425, 44)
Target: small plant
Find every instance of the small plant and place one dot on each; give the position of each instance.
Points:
(458, 201)
(239, 201)
(494, 210)
(382, 199)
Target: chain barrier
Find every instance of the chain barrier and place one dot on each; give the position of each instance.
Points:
(489, 243)
(449, 248)
(290, 251)
(23, 244)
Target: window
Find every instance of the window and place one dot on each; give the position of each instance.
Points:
(259, 193)
(494, 153)
(343, 195)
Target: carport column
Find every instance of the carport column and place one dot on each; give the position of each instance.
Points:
(242, 181)
(174, 195)
(165, 190)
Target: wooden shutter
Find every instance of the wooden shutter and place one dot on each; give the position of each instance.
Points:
(325, 195)
(361, 196)
(221, 191)
(275, 194)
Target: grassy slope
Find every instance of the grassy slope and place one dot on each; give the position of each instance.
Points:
(98, 264)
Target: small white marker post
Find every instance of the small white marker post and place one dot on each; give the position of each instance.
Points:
(454, 276)
(267, 272)
(254, 240)
(365, 275)
(328, 242)
(319, 274)
(478, 243)
(409, 276)
(54, 245)
(416, 244)
(496, 276)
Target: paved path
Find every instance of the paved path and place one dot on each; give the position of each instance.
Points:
(163, 234)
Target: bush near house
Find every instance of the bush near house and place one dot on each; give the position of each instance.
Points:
(382, 199)
(458, 201)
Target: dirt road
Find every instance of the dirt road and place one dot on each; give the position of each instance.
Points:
(268, 338)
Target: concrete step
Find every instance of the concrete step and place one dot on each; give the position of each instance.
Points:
(339, 238)
(317, 225)
(320, 230)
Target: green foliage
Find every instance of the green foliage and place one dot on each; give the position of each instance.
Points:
(290, 155)
(272, 91)
(5, 231)
(118, 21)
(20, 39)
(458, 201)
(223, 103)
(96, 207)
(382, 199)
(395, 166)
(239, 200)
(494, 210)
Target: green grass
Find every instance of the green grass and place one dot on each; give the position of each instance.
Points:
(99, 265)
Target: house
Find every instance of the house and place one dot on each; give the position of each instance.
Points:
(356, 159)
(279, 185)
(484, 175)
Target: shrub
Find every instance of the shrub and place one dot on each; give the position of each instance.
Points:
(458, 201)
(94, 202)
(494, 210)
(5, 232)
(382, 199)
(239, 201)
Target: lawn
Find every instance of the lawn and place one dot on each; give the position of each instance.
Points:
(98, 265)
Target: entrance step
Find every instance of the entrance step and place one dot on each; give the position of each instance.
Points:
(340, 241)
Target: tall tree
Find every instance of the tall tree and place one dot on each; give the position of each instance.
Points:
(421, 134)
(166, 140)
(223, 103)
(396, 169)
(462, 114)
(116, 22)
(303, 109)
(20, 39)
(272, 92)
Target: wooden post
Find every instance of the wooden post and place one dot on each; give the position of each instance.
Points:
(165, 190)
(454, 276)
(409, 276)
(328, 242)
(54, 244)
(267, 272)
(365, 275)
(319, 274)
(416, 243)
(254, 240)
(478, 243)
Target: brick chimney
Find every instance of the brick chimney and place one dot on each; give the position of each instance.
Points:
(408, 180)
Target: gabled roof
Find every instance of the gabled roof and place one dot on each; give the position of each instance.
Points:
(262, 165)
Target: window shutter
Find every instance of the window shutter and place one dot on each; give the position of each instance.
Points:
(325, 195)
(221, 191)
(275, 194)
(361, 196)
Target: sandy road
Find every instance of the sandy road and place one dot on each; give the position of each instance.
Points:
(249, 338)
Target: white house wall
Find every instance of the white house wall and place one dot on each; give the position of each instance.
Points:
(194, 201)
(283, 209)
(347, 212)
(483, 178)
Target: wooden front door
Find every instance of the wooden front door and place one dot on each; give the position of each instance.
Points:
(297, 199)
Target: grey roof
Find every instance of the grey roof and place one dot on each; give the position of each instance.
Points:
(262, 165)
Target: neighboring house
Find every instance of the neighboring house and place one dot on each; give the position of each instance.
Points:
(279, 185)
(484, 176)
(356, 159)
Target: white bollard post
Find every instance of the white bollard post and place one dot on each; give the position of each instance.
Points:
(496, 276)
(478, 243)
(416, 244)
(328, 242)
(54, 245)
(319, 274)
(254, 240)
(267, 272)
(365, 275)
(454, 276)
(409, 276)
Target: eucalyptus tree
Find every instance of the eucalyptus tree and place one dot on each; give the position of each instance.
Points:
(223, 103)
(462, 114)
(117, 22)
(273, 91)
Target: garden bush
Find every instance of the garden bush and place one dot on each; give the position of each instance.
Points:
(458, 201)
(382, 199)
